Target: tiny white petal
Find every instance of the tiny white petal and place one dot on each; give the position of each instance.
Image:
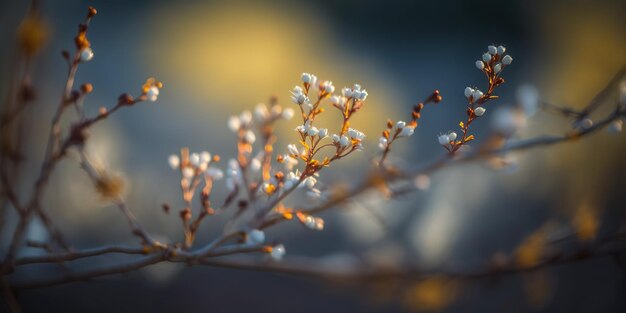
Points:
(174, 161)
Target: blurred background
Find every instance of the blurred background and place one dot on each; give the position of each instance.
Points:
(217, 58)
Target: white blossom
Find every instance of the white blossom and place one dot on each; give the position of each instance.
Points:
(174, 161)
(422, 182)
(293, 150)
(443, 139)
(255, 236)
(234, 124)
(486, 57)
(327, 87)
(289, 162)
(497, 68)
(355, 134)
(335, 138)
(255, 165)
(479, 111)
(278, 252)
(205, 157)
(194, 159)
(261, 113)
(307, 78)
(501, 50)
(323, 132)
(382, 143)
(250, 137)
(406, 132)
(507, 60)
(310, 182)
(312, 131)
(492, 50)
(245, 117)
(452, 136)
(298, 97)
(152, 94)
(292, 179)
(468, 92)
(288, 113)
(346, 92)
(344, 141)
(477, 94)
(86, 54)
(480, 65)
(188, 172)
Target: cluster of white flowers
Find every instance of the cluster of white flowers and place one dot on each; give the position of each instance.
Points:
(355, 92)
(473, 94)
(327, 87)
(312, 222)
(299, 97)
(198, 163)
(264, 114)
(494, 55)
(445, 139)
(243, 122)
(312, 131)
(400, 129)
(86, 54)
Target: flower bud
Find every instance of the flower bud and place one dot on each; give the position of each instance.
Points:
(479, 111)
(507, 60)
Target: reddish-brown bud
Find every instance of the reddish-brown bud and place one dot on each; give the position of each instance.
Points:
(86, 88)
(125, 99)
(91, 12)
